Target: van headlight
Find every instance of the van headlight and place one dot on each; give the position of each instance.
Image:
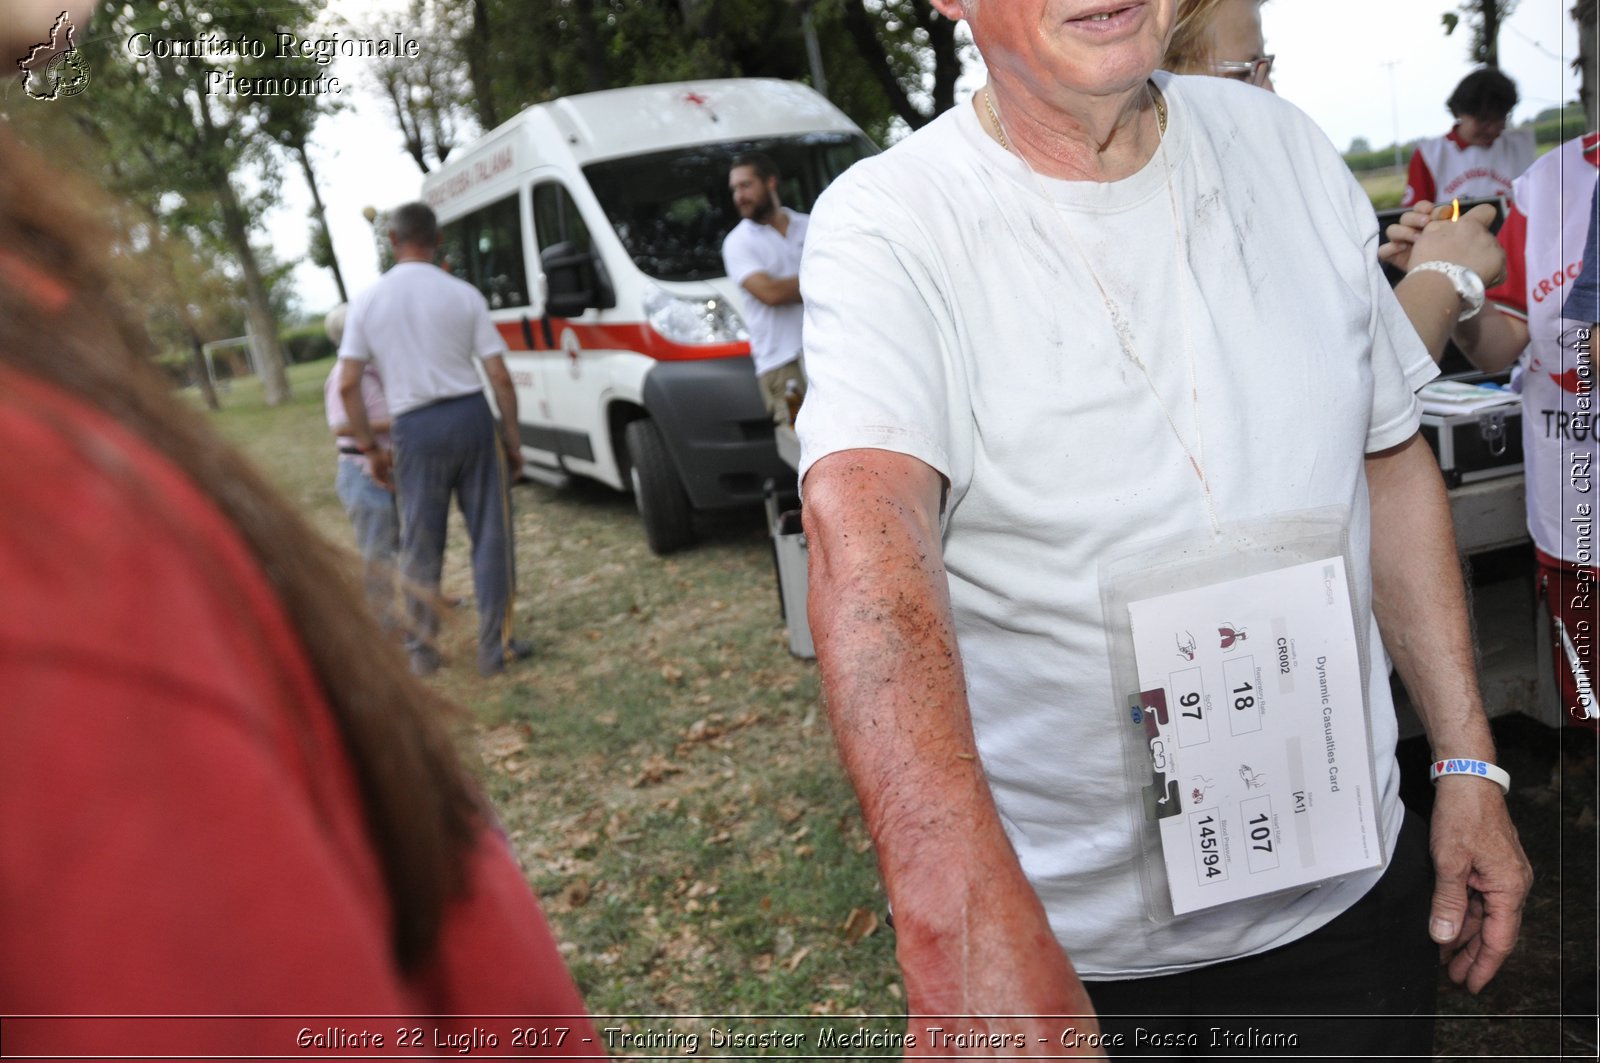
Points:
(691, 319)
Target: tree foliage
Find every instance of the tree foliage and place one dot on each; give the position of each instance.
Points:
(290, 120)
(1484, 17)
(175, 138)
(911, 51)
(886, 62)
(427, 94)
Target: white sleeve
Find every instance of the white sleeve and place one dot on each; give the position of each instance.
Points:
(486, 339)
(354, 344)
(739, 256)
(878, 347)
(1400, 362)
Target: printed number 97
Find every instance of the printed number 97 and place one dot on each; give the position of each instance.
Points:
(1191, 700)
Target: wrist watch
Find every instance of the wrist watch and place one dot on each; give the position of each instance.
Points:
(1467, 283)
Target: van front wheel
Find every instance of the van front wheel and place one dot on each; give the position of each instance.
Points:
(662, 502)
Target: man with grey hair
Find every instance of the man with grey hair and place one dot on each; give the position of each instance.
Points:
(422, 328)
(1100, 363)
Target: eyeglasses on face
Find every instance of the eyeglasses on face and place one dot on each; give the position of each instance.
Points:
(1255, 71)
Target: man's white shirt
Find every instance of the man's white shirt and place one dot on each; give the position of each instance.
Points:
(421, 327)
(753, 248)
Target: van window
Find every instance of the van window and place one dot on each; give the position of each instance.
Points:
(672, 209)
(556, 219)
(484, 249)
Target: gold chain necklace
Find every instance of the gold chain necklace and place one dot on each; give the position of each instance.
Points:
(1000, 131)
(1119, 323)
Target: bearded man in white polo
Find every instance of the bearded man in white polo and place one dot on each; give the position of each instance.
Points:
(762, 256)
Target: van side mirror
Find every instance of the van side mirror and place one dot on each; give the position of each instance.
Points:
(577, 281)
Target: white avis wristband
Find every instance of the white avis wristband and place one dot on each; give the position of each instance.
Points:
(1481, 768)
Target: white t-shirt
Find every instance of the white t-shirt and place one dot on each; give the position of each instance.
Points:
(755, 248)
(949, 317)
(421, 327)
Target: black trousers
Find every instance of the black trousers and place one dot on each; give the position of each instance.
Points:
(1363, 987)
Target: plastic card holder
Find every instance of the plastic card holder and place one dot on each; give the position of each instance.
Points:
(1241, 669)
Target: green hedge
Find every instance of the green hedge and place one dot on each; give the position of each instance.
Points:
(1556, 129)
(309, 343)
(1363, 161)
(1562, 128)
(177, 367)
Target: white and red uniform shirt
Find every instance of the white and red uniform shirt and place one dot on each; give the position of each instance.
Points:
(1447, 168)
(1543, 238)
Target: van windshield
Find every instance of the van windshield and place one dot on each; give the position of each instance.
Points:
(672, 209)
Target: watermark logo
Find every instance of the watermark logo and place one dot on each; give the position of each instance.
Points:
(55, 68)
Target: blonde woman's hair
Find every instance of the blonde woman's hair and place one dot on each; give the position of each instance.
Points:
(1189, 50)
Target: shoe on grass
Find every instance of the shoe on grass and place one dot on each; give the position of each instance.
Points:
(513, 650)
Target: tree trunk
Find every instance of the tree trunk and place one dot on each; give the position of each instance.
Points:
(180, 302)
(321, 214)
(1489, 46)
(1587, 14)
(258, 307)
(410, 128)
(594, 60)
(202, 375)
(478, 66)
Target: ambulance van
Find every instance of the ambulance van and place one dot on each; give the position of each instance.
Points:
(593, 226)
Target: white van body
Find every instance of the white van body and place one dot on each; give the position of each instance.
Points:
(593, 225)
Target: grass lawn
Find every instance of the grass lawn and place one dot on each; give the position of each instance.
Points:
(1383, 187)
(662, 764)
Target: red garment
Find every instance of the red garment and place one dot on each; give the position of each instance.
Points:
(1419, 180)
(1571, 593)
(180, 826)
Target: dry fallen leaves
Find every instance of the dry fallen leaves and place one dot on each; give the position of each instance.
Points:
(577, 893)
(860, 924)
(502, 742)
(654, 770)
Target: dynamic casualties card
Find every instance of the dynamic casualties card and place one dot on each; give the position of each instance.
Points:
(1256, 717)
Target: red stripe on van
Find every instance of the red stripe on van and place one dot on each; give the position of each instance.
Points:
(620, 337)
